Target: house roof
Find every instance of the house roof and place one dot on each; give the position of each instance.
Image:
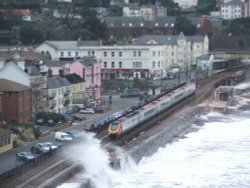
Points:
(9, 86)
(234, 2)
(57, 82)
(4, 132)
(113, 22)
(74, 78)
(16, 12)
(72, 45)
(166, 39)
(87, 61)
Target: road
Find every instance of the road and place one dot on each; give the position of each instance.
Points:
(8, 159)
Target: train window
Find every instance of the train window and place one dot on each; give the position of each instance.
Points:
(114, 126)
(148, 113)
(164, 104)
(178, 96)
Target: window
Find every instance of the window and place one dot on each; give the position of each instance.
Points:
(61, 54)
(159, 63)
(134, 53)
(153, 64)
(113, 64)
(69, 54)
(76, 54)
(153, 53)
(139, 53)
(105, 64)
(112, 54)
(120, 64)
(89, 53)
(120, 54)
(105, 54)
(93, 53)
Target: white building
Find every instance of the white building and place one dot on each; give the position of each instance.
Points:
(148, 56)
(59, 95)
(232, 9)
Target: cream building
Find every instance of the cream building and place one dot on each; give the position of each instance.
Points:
(155, 53)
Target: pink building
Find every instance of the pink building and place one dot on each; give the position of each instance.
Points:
(89, 69)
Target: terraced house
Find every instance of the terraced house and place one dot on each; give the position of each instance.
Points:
(148, 56)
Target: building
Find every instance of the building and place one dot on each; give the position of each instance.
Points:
(150, 12)
(20, 14)
(89, 69)
(1, 109)
(179, 50)
(5, 141)
(28, 61)
(58, 94)
(232, 9)
(119, 28)
(17, 101)
(78, 92)
(148, 56)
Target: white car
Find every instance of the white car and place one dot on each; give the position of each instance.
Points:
(51, 145)
(87, 111)
(61, 136)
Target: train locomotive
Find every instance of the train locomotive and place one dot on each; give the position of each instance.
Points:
(132, 120)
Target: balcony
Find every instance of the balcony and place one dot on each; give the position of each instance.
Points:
(51, 95)
(77, 101)
(66, 102)
(66, 92)
(52, 104)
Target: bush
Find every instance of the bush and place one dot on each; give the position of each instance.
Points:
(50, 115)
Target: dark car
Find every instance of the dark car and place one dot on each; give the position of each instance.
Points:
(99, 110)
(40, 121)
(40, 148)
(51, 122)
(25, 156)
(76, 118)
(74, 133)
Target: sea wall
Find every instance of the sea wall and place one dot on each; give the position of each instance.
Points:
(173, 131)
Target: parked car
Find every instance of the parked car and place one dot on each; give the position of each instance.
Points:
(51, 145)
(61, 136)
(40, 121)
(25, 156)
(74, 133)
(99, 110)
(76, 118)
(51, 122)
(40, 148)
(87, 111)
(88, 126)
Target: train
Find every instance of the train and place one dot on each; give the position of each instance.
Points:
(134, 119)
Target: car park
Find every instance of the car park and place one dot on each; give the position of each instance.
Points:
(62, 136)
(25, 156)
(40, 148)
(87, 111)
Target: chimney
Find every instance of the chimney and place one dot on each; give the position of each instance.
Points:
(61, 72)
(50, 73)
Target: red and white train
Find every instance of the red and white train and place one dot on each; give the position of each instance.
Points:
(136, 118)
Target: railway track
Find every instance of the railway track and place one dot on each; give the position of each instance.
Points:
(45, 174)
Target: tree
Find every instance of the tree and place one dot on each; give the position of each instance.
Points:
(205, 6)
(172, 7)
(182, 24)
(28, 35)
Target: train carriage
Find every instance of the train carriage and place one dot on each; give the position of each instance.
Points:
(149, 110)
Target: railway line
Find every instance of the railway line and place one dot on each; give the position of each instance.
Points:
(46, 174)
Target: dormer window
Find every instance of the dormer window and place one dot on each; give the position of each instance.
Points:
(130, 24)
